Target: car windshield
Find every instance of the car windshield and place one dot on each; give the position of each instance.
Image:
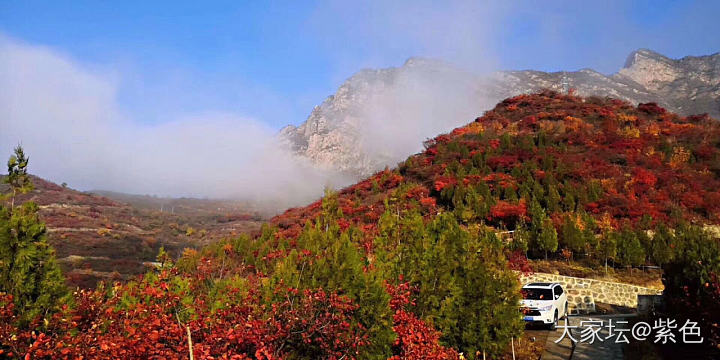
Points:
(537, 294)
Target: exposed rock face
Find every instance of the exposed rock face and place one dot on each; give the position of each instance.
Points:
(689, 85)
(355, 130)
(378, 117)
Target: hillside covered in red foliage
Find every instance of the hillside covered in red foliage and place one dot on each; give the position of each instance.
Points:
(613, 160)
(408, 264)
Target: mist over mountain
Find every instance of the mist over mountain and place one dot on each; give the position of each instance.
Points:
(378, 117)
(69, 117)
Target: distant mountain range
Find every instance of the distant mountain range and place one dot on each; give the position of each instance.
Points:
(378, 117)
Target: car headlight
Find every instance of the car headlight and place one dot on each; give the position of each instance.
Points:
(545, 308)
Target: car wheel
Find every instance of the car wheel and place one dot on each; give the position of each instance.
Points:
(553, 325)
(567, 312)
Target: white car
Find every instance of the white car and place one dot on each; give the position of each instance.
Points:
(544, 303)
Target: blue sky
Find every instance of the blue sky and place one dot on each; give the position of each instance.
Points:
(275, 60)
(133, 95)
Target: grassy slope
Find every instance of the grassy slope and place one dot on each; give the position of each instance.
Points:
(96, 237)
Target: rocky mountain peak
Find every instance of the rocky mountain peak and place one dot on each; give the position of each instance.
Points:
(641, 55)
(650, 69)
(379, 116)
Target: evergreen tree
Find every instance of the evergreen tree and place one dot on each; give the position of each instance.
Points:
(660, 251)
(594, 190)
(588, 232)
(541, 139)
(607, 247)
(569, 196)
(510, 194)
(571, 235)
(630, 251)
(481, 312)
(553, 199)
(547, 239)
(335, 263)
(28, 270)
(537, 216)
(464, 286)
(692, 281)
(17, 176)
(521, 237)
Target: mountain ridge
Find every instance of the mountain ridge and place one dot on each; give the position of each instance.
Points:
(332, 136)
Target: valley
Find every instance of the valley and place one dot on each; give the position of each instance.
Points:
(109, 237)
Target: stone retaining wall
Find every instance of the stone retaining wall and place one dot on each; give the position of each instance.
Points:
(582, 292)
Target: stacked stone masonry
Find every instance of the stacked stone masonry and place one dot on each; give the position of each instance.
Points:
(583, 293)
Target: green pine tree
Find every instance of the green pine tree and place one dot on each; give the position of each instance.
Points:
(464, 287)
(28, 269)
(660, 251)
(629, 249)
(17, 176)
(547, 239)
(607, 247)
(571, 235)
(553, 199)
(338, 265)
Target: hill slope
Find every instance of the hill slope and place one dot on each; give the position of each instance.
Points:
(427, 96)
(616, 161)
(407, 264)
(96, 237)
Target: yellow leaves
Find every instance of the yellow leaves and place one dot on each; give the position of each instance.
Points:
(103, 232)
(190, 231)
(577, 219)
(679, 156)
(547, 126)
(608, 183)
(189, 253)
(512, 129)
(496, 125)
(605, 222)
(678, 188)
(627, 118)
(475, 128)
(573, 123)
(653, 129)
(630, 132)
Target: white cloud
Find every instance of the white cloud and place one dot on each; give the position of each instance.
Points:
(68, 118)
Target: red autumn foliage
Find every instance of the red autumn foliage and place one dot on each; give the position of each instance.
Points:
(593, 151)
(519, 262)
(428, 202)
(504, 161)
(415, 338)
(443, 182)
(508, 212)
(318, 322)
(651, 108)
